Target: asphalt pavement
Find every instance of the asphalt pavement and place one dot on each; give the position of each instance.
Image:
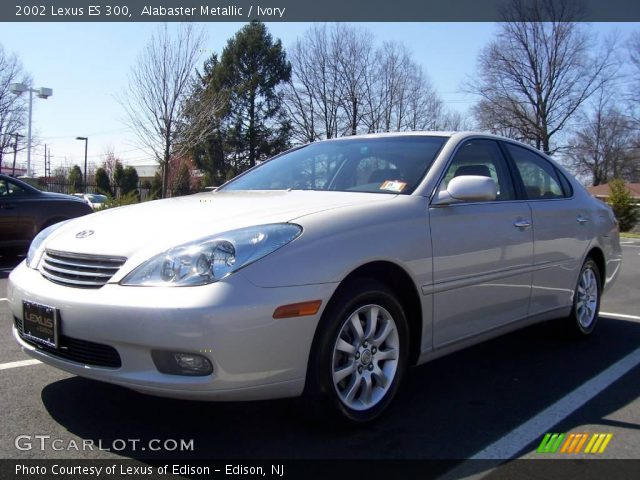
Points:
(500, 396)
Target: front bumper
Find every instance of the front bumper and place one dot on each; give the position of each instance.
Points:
(230, 322)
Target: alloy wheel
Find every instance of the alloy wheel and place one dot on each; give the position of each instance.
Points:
(587, 298)
(365, 357)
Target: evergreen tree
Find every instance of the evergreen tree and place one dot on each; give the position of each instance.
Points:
(75, 179)
(252, 125)
(103, 185)
(155, 191)
(181, 183)
(623, 205)
(129, 180)
(118, 173)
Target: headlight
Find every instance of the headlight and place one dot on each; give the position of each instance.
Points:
(211, 259)
(35, 249)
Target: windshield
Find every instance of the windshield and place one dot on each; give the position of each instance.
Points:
(381, 165)
(95, 198)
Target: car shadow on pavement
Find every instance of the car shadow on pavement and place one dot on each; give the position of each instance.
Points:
(450, 408)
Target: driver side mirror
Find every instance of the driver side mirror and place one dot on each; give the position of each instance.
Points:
(467, 188)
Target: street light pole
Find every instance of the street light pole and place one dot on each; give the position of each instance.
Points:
(29, 133)
(15, 153)
(86, 143)
(42, 92)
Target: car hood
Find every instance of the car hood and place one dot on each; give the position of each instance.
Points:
(61, 196)
(153, 227)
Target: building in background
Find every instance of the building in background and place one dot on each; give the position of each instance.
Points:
(146, 172)
(602, 191)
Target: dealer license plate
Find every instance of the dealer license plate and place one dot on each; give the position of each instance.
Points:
(40, 323)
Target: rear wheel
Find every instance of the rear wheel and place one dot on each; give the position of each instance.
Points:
(586, 299)
(362, 351)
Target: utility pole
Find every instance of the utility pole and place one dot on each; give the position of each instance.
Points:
(86, 143)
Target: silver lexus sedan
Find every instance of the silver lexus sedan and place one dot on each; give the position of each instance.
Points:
(327, 270)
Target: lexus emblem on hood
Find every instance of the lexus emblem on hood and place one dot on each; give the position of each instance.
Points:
(84, 233)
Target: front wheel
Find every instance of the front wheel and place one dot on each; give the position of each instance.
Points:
(586, 299)
(362, 351)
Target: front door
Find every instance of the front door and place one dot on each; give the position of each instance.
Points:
(482, 251)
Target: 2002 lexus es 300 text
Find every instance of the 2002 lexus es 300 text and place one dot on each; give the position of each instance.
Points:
(328, 269)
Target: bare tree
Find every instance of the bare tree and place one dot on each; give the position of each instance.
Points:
(391, 76)
(496, 117)
(425, 109)
(342, 84)
(109, 163)
(353, 66)
(606, 146)
(315, 91)
(327, 84)
(299, 95)
(538, 72)
(13, 109)
(633, 47)
(159, 85)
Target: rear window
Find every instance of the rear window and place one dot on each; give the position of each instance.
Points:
(540, 178)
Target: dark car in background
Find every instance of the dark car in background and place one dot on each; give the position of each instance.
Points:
(25, 211)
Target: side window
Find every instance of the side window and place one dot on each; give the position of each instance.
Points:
(10, 189)
(538, 175)
(566, 186)
(483, 158)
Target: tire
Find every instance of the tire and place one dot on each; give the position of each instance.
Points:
(586, 300)
(360, 352)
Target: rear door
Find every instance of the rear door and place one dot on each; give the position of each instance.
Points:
(482, 252)
(561, 229)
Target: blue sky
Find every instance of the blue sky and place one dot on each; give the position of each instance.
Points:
(86, 65)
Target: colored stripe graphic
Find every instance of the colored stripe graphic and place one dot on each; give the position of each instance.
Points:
(598, 443)
(584, 439)
(572, 443)
(577, 440)
(551, 442)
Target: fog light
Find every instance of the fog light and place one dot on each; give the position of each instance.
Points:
(181, 363)
(189, 361)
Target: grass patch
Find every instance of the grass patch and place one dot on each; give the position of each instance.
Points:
(630, 235)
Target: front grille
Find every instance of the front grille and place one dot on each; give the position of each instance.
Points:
(75, 350)
(79, 270)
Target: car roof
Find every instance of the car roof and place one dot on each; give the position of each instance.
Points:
(457, 135)
(449, 135)
(393, 134)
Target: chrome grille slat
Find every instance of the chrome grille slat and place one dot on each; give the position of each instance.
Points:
(111, 266)
(72, 282)
(79, 270)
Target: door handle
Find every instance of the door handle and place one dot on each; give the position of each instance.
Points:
(522, 224)
(582, 220)
(7, 206)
